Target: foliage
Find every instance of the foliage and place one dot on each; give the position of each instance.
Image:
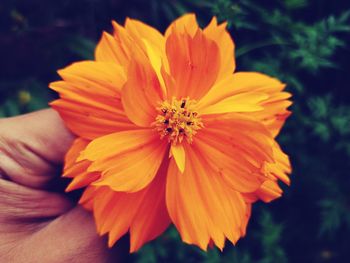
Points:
(302, 42)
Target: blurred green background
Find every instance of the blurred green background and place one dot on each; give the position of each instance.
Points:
(304, 43)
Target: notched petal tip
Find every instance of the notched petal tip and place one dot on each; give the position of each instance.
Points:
(186, 23)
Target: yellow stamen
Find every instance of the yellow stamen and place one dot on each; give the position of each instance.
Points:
(178, 120)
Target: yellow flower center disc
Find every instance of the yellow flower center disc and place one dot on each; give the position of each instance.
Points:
(178, 120)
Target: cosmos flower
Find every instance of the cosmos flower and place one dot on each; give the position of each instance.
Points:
(168, 133)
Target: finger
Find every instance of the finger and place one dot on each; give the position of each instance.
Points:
(31, 147)
(20, 204)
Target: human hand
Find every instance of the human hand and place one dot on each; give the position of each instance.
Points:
(38, 223)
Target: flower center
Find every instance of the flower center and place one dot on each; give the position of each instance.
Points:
(178, 120)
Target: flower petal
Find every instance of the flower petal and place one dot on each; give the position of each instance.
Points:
(275, 105)
(246, 219)
(194, 64)
(78, 170)
(186, 23)
(200, 204)
(108, 50)
(151, 41)
(120, 157)
(81, 177)
(140, 31)
(152, 217)
(125, 43)
(143, 212)
(119, 47)
(221, 36)
(277, 170)
(87, 198)
(90, 101)
(242, 151)
(244, 102)
(94, 77)
(117, 143)
(268, 192)
(142, 92)
(281, 167)
(132, 171)
(72, 154)
(158, 61)
(90, 126)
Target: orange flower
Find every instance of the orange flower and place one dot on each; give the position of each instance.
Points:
(167, 133)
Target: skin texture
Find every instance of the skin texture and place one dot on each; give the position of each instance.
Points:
(38, 222)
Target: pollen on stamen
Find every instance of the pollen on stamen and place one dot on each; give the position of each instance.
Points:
(177, 120)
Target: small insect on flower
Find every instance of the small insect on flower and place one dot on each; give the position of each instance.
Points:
(167, 133)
